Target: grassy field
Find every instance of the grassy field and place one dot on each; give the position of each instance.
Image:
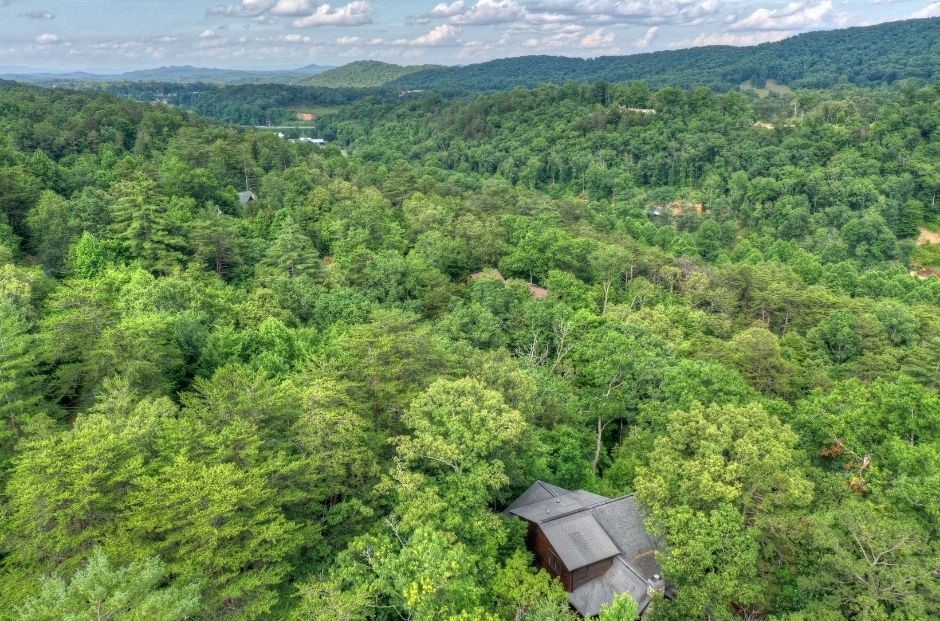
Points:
(771, 86)
(309, 114)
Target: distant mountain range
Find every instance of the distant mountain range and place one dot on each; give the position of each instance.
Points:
(365, 74)
(181, 75)
(866, 56)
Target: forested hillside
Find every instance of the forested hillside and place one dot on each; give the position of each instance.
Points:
(867, 56)
(244, 104)
(314, 405)
(364, 73)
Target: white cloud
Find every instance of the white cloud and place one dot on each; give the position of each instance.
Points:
(597, 39)
(580, 12)
(568, 36)
(794, 15)
(295, 38)
(931, 10)
(487, 12)
(348, 41)
(293, 8)
(738, 40)
(447, 10)
(208, 34)
(38, 14)
(438, 36)
(352, 14)
(306, 13)
(647, 38)
(247, 8)
(47, 38)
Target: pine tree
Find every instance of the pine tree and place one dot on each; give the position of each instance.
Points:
(292, 252)
(145, 228)
(20, 380)
(134, 592)
(216, 241)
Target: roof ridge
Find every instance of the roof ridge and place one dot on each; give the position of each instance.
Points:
(554, 517)
(626, 563)
(588, 508)
(614, 499)
(545, 485)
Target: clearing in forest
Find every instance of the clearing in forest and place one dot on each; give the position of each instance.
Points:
(770, 86)
(928, 237)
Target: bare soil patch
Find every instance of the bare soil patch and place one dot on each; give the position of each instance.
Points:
(928, 237)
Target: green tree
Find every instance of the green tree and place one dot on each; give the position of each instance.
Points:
(899, 325)
(21, 381)
(217, 525)
(292, 252)
(712, 561)
(708, 239)
(50, 230)
(87, 257)
(623, 608)
(217, 242)
(465, 433)
(839, 335)
(756, 355)
(145, 226)
(874, 564)
(741, 456)
(81, 476)
(98, 591)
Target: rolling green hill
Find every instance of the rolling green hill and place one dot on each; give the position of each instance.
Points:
(365, 74)
(867, 56)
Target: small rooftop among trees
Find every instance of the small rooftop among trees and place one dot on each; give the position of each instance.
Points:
(597, 547)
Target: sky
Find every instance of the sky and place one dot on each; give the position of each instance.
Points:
(116, 35)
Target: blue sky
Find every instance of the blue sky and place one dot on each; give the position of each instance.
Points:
(127, 34)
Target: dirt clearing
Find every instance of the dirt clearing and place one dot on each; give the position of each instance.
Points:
(928, 237)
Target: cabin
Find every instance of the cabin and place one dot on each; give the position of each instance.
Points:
(597, 547)
(319, 142)
(246, 197)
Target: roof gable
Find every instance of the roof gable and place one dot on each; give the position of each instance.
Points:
(544, 501)
(537, 492)
(579, 540)
(589, 598)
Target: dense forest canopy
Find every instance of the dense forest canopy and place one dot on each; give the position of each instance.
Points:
(364, 73)
(313, 405)
(241, 104)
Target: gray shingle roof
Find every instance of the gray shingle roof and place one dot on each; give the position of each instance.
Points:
(579, 540)
(590, 597)
(622, 520)
(537, 492)
(585, 528)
